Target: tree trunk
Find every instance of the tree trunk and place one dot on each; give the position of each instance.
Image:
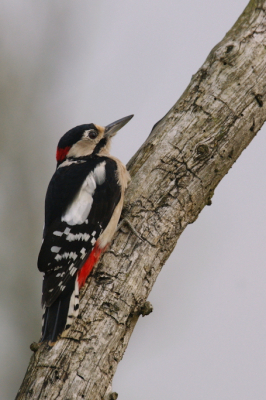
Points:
(174, 175)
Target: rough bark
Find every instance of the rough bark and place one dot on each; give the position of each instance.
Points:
(174, 175)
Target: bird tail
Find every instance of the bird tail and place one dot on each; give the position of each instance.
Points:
(58, 317)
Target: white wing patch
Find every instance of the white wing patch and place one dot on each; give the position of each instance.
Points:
(79, 210)
(83, 252)
(99, 173)
(55, 249)
(77, 236)
(72, 269)
(58, 233)
(66, 255)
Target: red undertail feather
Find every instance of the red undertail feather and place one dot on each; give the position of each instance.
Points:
(89, 264)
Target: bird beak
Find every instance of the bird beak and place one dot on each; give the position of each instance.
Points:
(111, 129)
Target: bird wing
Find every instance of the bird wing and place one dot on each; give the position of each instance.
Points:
(80, 201)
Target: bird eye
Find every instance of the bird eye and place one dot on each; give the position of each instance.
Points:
(93, 134)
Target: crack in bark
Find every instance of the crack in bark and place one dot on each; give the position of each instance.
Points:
(174, 175)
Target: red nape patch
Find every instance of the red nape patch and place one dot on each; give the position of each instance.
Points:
(61, 153)
(89, 264)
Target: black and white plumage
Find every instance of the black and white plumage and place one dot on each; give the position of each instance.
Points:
(82, 208)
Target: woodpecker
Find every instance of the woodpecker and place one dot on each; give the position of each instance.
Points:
(83, 205)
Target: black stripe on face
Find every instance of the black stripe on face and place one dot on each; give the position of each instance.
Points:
(102, 143)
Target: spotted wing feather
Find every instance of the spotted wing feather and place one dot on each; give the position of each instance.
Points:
(67, 244)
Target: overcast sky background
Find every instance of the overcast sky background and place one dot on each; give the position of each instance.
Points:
(66, 63)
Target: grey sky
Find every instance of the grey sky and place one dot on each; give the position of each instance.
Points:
(66, 63)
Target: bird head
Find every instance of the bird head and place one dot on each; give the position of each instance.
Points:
(85, 139)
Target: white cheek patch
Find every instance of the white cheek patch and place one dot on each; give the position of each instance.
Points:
(79, 210)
